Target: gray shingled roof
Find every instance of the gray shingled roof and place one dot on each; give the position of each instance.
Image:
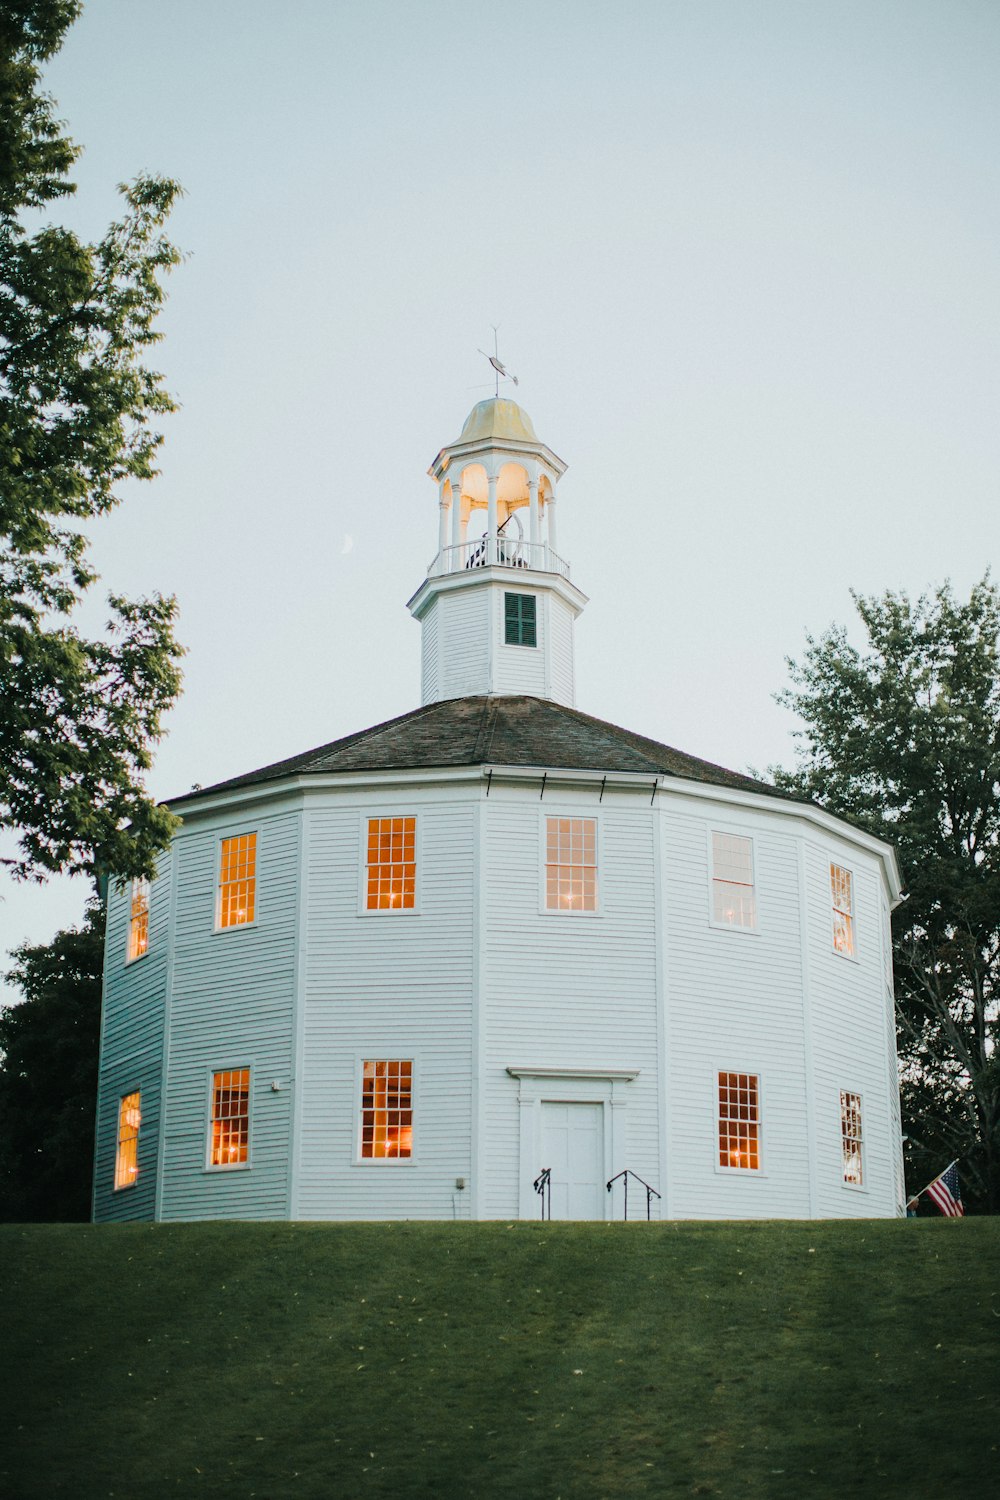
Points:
(493, 731)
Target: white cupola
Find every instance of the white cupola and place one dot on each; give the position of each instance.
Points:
(497, 606)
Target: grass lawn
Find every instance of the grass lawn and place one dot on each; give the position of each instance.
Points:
(553, 1360)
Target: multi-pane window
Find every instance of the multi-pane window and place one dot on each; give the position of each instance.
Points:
(230, 1140)
(851, 1137)
(739, 1121)
(571, 864)
(733, 900)
(138, 922)
(519, 620)
(127, 1154)
(392, 864)
(238, 880)
(842, 896)
(387, 1108)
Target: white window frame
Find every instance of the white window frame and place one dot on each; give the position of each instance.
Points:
(130, 957)
(220, 840)
(845, 1182)
(737, 833)
(375, 1054)
(570, 913)
(228, 1166)
(739, 1172)
(124, 1187)
(848, 870)
(393, 913)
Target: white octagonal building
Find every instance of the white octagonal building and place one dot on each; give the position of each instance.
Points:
(498, 958)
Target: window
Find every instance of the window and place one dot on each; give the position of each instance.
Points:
(739, 1121)
(387, 1109)
(841, 892)
(571, 864)
(238, 880)
(138, 924)
(519, 620)
(734, 903)
(851, 1137)
(230, 1141)
(392, 864)
(127, 1154)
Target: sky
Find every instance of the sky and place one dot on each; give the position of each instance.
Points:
(744, 257)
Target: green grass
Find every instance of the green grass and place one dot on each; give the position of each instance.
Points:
(555, 1360)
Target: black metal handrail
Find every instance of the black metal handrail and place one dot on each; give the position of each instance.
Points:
(543, 1187)
(651, 1192)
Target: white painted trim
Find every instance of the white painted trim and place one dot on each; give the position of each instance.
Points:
(571, 913)
(854, 956)
(663, 1060)
(386, 1163)
(739, 833)
(393, 913)
(220, 839)
(612, 1075)
(477, 1123)
(808, 1064)
(743, 1172)
(235, 1166)
(494, 574)
(296, 1114)
(168, 1005)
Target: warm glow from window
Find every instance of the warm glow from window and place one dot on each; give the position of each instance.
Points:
(571, 864)
(739, 1121)
(238, 880)
(230, 1117)
(851, 1138)
(733, 898)
(392, 863)
(387, 1109)
(841, 891)
(127, 1154)
(138, 926)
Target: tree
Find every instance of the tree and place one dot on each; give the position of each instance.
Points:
(77, 716)
(903, 737)
(48, 1075)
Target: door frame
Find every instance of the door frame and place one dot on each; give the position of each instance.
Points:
(547, 1085)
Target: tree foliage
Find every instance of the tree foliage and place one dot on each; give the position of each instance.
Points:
(903, 737)
(77, 419)
(48, 1075)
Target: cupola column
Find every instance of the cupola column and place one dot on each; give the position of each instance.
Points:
(456, 519)
(491, 517)
(533, 518)
(442, 517)
(550, 522)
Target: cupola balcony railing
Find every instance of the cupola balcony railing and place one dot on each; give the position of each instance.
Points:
(500, 552)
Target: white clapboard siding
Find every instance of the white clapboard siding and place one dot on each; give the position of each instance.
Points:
(560, 623)
(566, 990)
(519, 669)
(232, 1006)
(388, 985)
(430, 673)
(132, 1024)
(464, 650)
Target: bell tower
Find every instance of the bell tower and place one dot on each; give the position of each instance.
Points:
(497, 607)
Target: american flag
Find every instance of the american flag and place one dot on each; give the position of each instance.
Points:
(945, 1193)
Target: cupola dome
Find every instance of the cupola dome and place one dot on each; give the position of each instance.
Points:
(498, 418)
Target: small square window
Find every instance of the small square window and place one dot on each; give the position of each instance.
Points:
(127, 1154)
(138, 925)
(519, 620)
(230, 1141)
(571, 864)
(739, 1121)
(851, 1138)
(238, 880)
(392, 864)
(842, 896)
(387, 1109)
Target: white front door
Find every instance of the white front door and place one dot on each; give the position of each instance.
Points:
(573, 1147)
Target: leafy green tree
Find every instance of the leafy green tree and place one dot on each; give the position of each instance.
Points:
(903, 737)
(77, 408)
(48, 1075)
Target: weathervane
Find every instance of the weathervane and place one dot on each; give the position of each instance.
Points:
(494, 359)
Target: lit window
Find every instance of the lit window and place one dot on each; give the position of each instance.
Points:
(519, 620)
(238, 880)
(851, 1137)
(739, 1121)
(387, 1109)
(230, 1117)
(733, 900)
(392, 863)
(571, 864)
(127, 1154)
(841, 892)
(138, 925)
